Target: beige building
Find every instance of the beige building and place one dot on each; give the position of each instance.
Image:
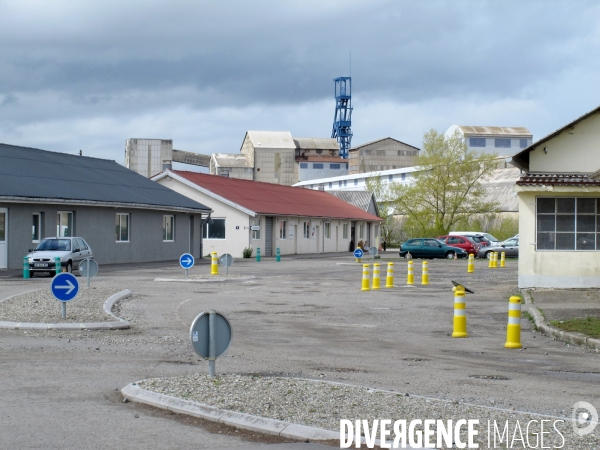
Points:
(382, 154)
(559, 207)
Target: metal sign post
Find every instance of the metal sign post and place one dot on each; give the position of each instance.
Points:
(64, 287)
(226, 260)
(187, 262)
(88, 268)
(210, 334)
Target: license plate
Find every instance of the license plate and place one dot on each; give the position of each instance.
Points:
(40, 265)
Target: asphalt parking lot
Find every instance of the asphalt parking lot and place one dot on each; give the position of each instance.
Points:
(299, 317)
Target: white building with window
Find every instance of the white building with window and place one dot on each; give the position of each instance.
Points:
(559, 207)
(505, 141)
(270, 216)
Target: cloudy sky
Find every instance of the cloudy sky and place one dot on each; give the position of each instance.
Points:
(90, 74)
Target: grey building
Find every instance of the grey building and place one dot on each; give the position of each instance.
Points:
(382, 154)
(125, 217)
(505, 141)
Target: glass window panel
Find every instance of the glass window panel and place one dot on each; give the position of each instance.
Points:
(35, 229)
(168, 222)
(546, 223)
(2, 227)
(586, 205)
(565, 223)
(215, 229)
(545, 241)
(586, 223)
(546, 205)
(586, 241)
(477, 142)
(565, 205)
(502, 143)
(523, 143)
(565, 241)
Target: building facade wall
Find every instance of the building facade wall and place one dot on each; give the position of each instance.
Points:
(308, 170)
(382, 155)
(146, 156)
(552, 268)
(274, 166)
(97, 225)
(569, 152)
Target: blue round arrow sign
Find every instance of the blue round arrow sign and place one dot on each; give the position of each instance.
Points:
(186, 261)
(358, 253)
(64, 287)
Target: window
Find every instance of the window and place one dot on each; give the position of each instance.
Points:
(346, 166)
(36, 228)
(361, 231)
(502, 143)
(340, 183)
(356, 182)
(317, 165)
(168, 228)
(390, 178)
(381, 152)
(565, 223)
(256, 233)
(403, 177)
(64, 224)
(523, 143)
(330, 184)
(82, 244)
(304, 165)
(214, 229)
(345, 231)
(476, 142)
(345, 183)
(282, 229)
(327, 230)
(334, 166)
(306, 230)
(122, 228)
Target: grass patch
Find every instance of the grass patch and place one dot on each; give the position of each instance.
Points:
(589, 326)
(542, 312)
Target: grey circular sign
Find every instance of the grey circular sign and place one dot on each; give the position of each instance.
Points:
(88, 268)
(226, 260)
(373, 251)
(200, 334)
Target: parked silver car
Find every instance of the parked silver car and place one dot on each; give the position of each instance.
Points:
(71, 251)
(510, 247)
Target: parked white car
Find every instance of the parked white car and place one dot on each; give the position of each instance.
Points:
(71, 251)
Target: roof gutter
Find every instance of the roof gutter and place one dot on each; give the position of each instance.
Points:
(14, 199)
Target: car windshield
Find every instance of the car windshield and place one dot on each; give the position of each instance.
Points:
(489, 237)
(56, 245)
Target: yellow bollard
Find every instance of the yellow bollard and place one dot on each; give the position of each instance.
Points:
(491, 260)
(513, 329)
(365, 279)
(460, 314)
(410, 278)
(376, 280)
(425, 273)
(214, 264)
(471, 264)
(503, 259)
(389, 280)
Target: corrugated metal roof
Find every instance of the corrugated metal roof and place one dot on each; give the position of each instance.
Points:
(495, 131)
(557, 179)
(31, 173)
(271, 139)
(275, 199)
(231, 160)
(360, 199)
(383, 139)
(316, 144)
(500, 187)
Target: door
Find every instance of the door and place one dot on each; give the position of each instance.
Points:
(3, 237)
(268, 236)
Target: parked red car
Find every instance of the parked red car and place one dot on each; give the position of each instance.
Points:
(464, 242)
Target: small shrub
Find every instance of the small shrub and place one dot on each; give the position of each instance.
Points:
(247, 252)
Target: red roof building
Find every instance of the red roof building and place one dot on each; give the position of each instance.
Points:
(295, 220)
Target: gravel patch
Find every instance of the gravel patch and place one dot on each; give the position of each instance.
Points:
(324, 404)
(40, 306)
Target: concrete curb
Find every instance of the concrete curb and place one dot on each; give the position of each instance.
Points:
(566, 336)
(202, 280)
(108, 305)
(235, 419)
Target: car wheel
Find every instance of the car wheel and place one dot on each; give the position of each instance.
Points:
(450, 255)
(69, 267)
(488, 255)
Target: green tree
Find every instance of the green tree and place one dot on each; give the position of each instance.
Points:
(384, 195)
(448, 190)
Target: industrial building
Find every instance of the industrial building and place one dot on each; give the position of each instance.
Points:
(505, 141)
(150, 156)
(382, 154)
